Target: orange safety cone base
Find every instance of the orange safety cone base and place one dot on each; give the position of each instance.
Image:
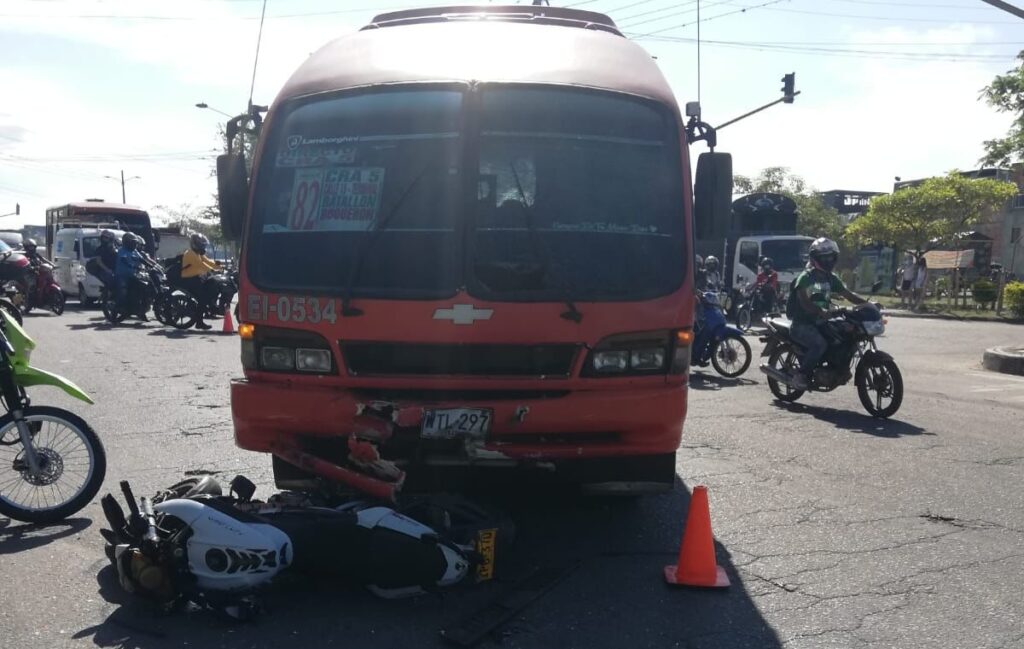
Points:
(721, 579)
(229, 322)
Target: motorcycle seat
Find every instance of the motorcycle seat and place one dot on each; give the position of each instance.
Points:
(779, 324)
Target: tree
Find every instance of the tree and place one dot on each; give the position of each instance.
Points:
(205, 220)
(816, 219)
(933, 214)
(1006, 94)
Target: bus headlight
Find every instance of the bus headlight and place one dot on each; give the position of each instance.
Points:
(277, 358)
(647, 359)
(641, 353)
(614, 361)
(313, 360)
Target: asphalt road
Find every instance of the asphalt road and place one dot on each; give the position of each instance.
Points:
(837, 530)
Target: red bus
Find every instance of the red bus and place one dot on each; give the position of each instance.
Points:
(467, 242)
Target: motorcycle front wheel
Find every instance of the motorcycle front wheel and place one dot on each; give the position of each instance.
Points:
(879, 386)
(72, 465)
(786, 360)
(11, 310)
(731, 356)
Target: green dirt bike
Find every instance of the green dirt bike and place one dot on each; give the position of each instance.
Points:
(51, 462)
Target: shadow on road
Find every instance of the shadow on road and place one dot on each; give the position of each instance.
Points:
(182, 333)
(854, 421)
(702, 381)
(101, 324)
(615, 598)
(19, 537)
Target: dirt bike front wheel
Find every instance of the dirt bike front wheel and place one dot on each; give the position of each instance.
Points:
(71, 465)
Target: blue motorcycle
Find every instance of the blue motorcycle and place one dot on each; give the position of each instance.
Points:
(715, 341)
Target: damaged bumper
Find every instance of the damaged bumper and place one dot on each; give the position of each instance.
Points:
(572, 426)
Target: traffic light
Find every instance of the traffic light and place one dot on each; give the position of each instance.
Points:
(788, 81)
(17, 209)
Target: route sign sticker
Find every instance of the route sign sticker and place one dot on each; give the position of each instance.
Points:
(335, 198)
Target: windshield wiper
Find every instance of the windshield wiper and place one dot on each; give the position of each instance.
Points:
(347, 310)
(573, 314)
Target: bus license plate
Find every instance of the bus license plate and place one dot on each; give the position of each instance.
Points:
(447, 423)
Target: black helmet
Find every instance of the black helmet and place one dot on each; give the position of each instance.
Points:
(130, 241)
(767, 263)
(700, 261)
(824, 254)
(30, 245)
(199, 243)
(106, 236)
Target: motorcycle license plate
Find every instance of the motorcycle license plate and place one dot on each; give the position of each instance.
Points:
(485, 547)
(448, 423)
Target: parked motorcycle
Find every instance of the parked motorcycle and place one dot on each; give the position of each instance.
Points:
(852, 354)
(51, 461)
(757, 302)
(717, 342)
(45, 293)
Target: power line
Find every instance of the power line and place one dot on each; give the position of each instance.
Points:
(655, 11)
(853, 53)
(704, 20)
(888, 18)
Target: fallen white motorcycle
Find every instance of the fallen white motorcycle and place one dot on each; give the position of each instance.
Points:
(195, 544)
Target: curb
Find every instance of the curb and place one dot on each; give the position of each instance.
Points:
(947, 316)
(1008, 360)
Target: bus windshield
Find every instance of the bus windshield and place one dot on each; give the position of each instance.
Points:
(554, 194)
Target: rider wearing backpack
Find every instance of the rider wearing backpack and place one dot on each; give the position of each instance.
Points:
(809, 299)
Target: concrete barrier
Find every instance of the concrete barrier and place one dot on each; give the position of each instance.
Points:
(1008, 360)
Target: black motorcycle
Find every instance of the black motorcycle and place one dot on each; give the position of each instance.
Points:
(757, 302)
(851, 354)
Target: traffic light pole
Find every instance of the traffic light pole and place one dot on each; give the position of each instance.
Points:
(781, 100)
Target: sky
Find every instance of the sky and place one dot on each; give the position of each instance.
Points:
(91, 88)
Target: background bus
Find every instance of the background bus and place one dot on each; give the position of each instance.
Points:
(94, 212)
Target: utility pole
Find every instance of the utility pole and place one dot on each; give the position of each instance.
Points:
(1007, 7)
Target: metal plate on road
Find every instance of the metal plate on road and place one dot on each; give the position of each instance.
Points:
(448, 423)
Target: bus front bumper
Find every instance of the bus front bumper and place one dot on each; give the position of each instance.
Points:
(581, 424)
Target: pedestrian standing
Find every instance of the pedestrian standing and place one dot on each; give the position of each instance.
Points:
(905, 281)
(920, 278)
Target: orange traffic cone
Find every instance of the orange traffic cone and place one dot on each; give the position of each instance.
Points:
(696, 565)
(229, 322)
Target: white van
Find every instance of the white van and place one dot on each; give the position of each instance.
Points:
(72, 249)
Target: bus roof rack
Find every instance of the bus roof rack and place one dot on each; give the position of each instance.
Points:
(515, 13)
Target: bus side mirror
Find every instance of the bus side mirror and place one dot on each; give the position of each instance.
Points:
(712, 194)
(232, 193)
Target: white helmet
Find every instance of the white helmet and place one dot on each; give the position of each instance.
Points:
(824, 253)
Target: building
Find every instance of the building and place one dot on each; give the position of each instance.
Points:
(849, 203)
(998, 240)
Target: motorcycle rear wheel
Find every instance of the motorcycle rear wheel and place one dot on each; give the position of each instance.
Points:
(182, 311)
(112, 313)
(879, 381)
(731, 356)
(743, 317)
(56, 432)
(57, 303)
(784, 359)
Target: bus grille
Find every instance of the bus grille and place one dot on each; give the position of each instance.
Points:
(391, 359)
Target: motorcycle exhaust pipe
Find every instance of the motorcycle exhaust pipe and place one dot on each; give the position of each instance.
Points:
(778, 375)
